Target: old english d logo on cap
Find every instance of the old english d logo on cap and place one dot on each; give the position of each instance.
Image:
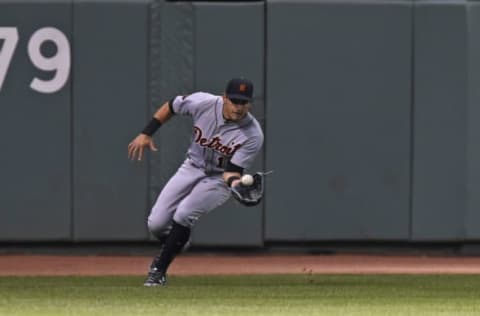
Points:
(239, 88)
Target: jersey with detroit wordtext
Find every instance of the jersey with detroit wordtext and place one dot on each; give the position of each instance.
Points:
(216, 140)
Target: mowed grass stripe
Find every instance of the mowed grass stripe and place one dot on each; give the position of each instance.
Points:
(244, 295)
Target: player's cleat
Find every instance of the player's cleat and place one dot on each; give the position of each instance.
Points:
(155, 278)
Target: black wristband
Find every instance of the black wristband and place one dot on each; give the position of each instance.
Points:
(152, 127)
(231, 179)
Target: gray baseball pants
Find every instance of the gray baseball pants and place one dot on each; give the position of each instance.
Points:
(188, 195)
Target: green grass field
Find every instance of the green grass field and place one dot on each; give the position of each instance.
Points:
(244, 295)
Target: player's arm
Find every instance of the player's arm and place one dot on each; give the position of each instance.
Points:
(164, 113)
(242, 157)
(144, 139)
(232, 174)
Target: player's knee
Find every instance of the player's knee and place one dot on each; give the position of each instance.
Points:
(185, 219)
(158, 229)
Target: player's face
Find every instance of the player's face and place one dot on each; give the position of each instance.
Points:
(235, 110)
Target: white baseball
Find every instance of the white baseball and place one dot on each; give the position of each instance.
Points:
(247, 179)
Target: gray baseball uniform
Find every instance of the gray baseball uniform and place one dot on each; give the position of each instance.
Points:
(198, 186)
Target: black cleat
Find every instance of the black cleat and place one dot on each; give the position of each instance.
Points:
(155, 278)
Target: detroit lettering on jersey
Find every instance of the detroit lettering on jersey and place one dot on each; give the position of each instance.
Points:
(215, 141)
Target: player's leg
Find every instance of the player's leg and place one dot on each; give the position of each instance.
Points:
(176, 189)
(207, 195)
(160, 218)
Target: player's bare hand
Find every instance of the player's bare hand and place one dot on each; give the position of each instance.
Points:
(138, 145)
(235, 182)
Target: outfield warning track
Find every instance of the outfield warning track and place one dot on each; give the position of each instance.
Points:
(23, 265)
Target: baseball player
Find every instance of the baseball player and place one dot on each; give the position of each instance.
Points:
(226, 138)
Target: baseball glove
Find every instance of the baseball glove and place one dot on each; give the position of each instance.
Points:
(249, 195)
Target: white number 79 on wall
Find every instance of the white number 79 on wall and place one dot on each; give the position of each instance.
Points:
(60, 62)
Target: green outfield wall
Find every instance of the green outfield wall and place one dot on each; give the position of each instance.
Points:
(370, 111)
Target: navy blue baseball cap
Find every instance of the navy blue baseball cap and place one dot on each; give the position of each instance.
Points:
(239, 89)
